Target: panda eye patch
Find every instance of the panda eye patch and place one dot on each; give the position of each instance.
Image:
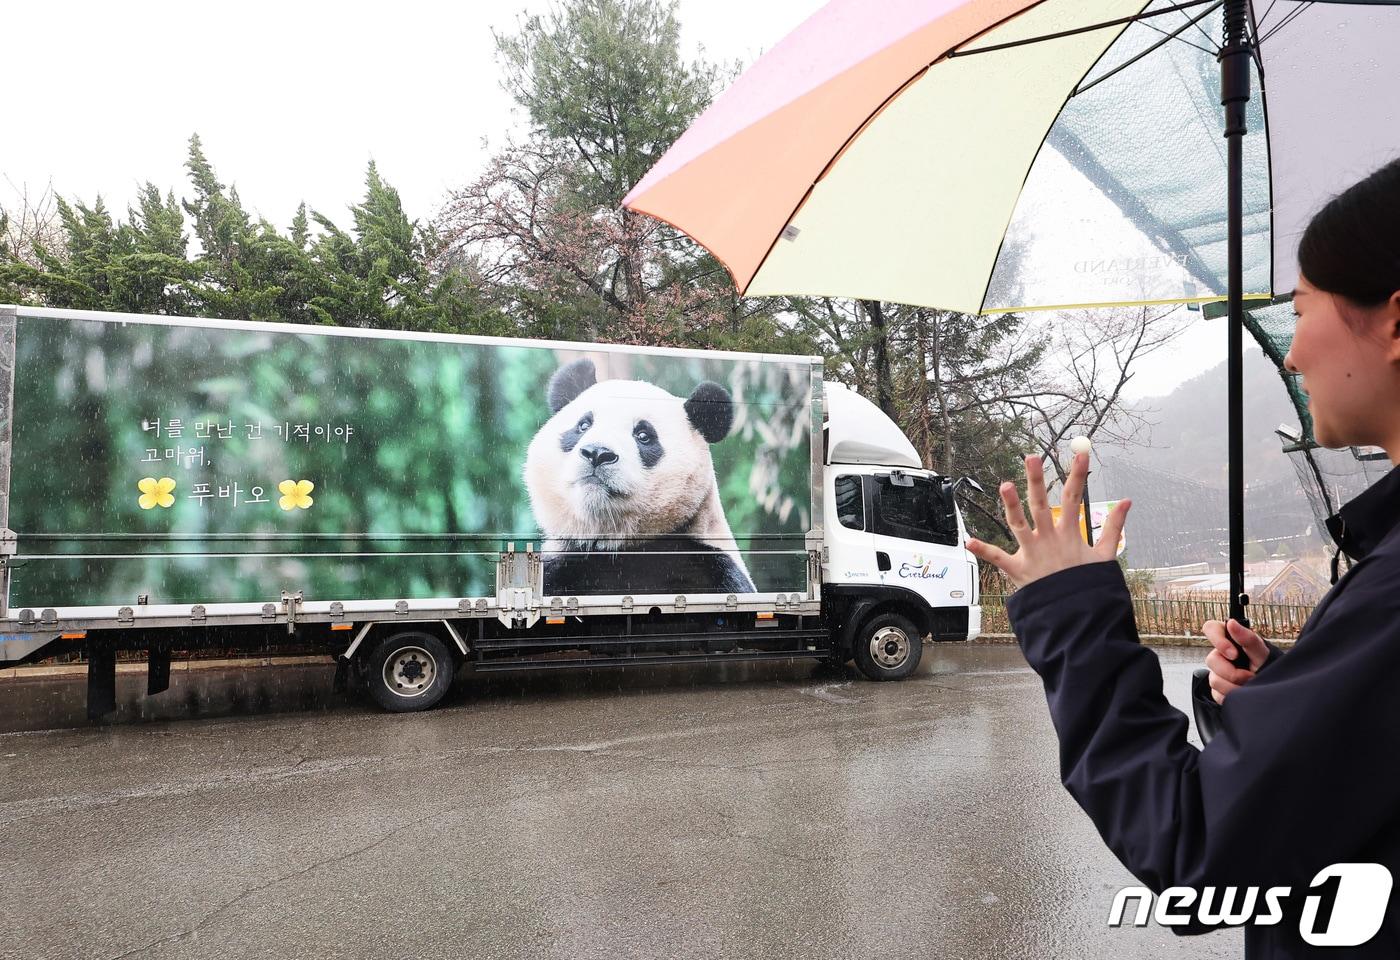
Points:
(648, 444)
(570, 437)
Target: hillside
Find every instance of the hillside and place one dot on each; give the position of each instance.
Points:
(1189, 437)
(1177, 473)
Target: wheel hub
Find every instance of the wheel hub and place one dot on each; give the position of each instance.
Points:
(889, 647)
(409, 671)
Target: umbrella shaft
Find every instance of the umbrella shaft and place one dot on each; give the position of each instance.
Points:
(1235, 56)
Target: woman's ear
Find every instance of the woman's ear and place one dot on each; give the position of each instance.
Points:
(1391, 331)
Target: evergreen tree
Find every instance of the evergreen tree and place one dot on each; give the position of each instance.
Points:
(377, 275)
(380, 273)
(604, 80)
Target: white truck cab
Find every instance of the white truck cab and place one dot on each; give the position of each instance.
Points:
(894, 563)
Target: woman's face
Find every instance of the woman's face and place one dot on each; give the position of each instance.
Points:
(1350, 372)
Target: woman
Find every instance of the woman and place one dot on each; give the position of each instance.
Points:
(1305, 772)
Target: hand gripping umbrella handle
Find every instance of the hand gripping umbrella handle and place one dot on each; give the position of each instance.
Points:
(1239, 613)
(1203, 705)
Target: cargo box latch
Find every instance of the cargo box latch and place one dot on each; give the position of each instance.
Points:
(291, 604)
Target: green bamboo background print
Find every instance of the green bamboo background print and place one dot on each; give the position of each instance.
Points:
(198, 464)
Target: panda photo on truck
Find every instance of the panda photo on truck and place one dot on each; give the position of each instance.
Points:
(621, 472)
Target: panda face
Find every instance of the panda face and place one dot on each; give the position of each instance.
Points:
(603, 458)
(619, 460)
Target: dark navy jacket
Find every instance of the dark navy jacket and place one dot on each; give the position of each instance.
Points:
(1305, 771)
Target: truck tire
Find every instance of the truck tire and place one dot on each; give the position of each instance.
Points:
(409, 671)
(887, 647)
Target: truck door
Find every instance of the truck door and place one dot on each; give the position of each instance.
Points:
(914, 532)
(850, 555)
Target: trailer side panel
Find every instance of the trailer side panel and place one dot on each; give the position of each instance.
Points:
(172, 464)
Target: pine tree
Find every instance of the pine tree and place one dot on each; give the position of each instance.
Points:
(379, 274)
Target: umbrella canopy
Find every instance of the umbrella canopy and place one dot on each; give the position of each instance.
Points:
(1006, 155)
(996, 155)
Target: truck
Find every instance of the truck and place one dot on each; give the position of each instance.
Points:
(421, 505)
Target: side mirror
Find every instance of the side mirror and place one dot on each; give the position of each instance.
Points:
(968, 482)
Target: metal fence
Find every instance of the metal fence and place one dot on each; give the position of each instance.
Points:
(1178, 617)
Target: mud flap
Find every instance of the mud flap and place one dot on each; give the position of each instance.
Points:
(102, 681)
(157, 670)
(341, 683)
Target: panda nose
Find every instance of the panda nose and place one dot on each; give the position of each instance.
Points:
(597, 455)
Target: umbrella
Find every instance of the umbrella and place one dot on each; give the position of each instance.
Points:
(1010, 155)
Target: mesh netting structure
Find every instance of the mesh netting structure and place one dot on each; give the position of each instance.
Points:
(1329, 478)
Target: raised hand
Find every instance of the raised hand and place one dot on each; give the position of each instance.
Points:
(1045, 546)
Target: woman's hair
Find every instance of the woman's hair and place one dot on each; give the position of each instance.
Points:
(1352, 246)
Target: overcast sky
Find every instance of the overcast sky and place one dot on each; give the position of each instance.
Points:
(293, 98)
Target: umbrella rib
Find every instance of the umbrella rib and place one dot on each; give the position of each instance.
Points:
(1160, 43)
(1260, 24)
(1260, 38)
(1209, 40)
(1292, 15)
(1257, 54)
(1177, 35)
(1120, 21)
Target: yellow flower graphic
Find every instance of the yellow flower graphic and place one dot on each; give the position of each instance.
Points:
(156, 493)
(295, 494)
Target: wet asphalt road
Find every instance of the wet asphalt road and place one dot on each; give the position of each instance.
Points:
(750, 811)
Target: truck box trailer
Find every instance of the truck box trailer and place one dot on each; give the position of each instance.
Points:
(420, 504)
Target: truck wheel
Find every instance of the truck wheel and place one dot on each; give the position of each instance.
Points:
(409, 671)
(888, 647)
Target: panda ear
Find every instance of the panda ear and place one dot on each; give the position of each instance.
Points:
(569, 381)
(711, 411)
